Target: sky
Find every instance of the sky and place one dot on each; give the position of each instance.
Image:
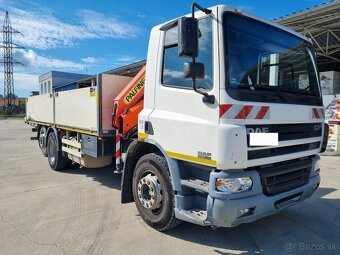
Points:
(86, 36)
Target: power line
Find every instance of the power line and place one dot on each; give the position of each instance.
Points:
(8, 61)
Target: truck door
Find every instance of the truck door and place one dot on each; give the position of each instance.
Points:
(183, 125)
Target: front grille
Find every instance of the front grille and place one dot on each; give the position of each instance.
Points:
(277, 151)
(289, 131)
(283, 176)
(286, 132)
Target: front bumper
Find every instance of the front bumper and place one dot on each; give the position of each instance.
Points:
(223, 209)
(227, 212)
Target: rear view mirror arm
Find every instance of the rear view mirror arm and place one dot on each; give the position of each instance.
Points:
(205, 10)
(206, 97)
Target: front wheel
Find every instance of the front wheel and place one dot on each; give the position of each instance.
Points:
(153, 193)
(55, 158)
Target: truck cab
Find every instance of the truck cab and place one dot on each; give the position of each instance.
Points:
(264, 79)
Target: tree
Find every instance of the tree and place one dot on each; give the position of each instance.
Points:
(22, 106)
(1, 96)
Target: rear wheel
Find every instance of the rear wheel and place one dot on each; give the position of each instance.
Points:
(55, 157)
(42, 140)
(153, 193)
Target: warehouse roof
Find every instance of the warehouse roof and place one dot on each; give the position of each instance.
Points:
(322, 24)
(127, 70)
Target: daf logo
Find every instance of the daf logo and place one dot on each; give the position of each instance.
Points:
(317, 127)
(258, 130)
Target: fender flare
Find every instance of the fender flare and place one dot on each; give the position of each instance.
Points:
(136, 150)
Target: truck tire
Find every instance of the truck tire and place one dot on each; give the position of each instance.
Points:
(55, 158)
(153, 193)
(42, 136)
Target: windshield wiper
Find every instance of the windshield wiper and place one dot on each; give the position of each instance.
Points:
(298, 91)
(256, 87)
(270, 88)
(276, 88)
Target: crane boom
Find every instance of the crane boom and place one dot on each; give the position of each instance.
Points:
(128, 103)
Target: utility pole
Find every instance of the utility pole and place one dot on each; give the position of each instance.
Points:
(8, 61)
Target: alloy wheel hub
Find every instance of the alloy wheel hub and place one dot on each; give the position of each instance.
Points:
(150, 192)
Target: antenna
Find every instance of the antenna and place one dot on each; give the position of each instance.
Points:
(8, 61)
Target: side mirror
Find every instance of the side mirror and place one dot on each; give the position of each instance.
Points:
(188, 34)
(194, 70)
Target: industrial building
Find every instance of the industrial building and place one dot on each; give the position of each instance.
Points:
(61, 81)
(53, 79)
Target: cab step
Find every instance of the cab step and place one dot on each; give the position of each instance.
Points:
(196, 184)
(196, 216)
(197, 213)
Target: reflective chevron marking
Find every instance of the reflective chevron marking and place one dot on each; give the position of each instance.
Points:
(118, 152)
(237, 111)
(318, 113)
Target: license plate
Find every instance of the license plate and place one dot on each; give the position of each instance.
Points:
(263, 139)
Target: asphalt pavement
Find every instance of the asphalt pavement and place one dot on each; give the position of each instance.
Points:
(78, 211)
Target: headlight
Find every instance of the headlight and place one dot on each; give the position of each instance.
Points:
(317, 165)
(234, 184)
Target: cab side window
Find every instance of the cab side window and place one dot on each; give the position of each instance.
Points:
(172, 73)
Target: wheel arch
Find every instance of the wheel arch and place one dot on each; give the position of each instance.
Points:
(135, 151)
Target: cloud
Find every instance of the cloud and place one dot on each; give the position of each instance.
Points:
(41, 29)
(24, 82)
(91, 60)
(180, 75)
(106, 27)
(124, 60)
(173, 74)
(34, 62)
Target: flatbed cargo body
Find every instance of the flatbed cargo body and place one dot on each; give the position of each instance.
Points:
(87, 110)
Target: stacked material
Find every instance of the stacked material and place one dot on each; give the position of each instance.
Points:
(333, 145)
(333, 110)
(332, 117)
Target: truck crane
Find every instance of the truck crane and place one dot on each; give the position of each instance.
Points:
(126, 107)
(222, 126)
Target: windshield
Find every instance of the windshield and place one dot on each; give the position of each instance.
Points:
(270, 61)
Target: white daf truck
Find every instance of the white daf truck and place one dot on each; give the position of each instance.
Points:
(225, 129)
